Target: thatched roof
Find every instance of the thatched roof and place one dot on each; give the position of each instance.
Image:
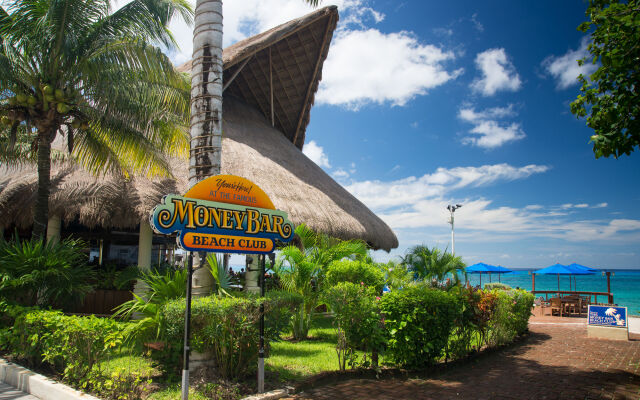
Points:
(251, 148)
(296, 51)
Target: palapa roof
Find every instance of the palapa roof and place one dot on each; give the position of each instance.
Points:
(296, 51)
(251, 148)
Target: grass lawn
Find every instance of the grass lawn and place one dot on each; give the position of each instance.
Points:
(295, 361)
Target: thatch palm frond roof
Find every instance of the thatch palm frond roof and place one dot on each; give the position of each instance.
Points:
(283, 64)
(251, 148)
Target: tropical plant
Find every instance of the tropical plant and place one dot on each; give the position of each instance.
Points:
(297, 274)
(433, 264)
(609, 97)
(396, 275)
(221, 276)
(302, 269)
(74, 68)
(357, 321)
(148, 307)
(109, 277)
(357, 272)
(45, 274)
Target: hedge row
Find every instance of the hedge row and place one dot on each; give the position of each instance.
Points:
(74, 346)
(418, 326)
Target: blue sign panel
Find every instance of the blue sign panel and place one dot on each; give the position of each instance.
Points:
(608, 316)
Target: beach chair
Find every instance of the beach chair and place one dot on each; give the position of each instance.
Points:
(556, 306)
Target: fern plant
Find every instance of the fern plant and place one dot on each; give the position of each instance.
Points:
(53, 274)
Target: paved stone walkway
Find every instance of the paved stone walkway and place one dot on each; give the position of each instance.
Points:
(554, 362)
(10, 393)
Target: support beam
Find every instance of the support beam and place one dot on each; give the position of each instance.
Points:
(235, 74)
(313, 78)
(252, 274)
(202, 279)
(53, 229)
(271, 88)
(144, 245)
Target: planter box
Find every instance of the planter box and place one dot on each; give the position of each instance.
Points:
(102, 301)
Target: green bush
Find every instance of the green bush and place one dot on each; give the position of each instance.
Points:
(419, 321)
(73, 346)
(355, 272)
(226, 328)
(161, 288)
(53, 274)
(357, 321)
(281, 306)
(496, 285)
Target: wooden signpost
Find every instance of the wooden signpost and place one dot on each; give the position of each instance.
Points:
(222, 214)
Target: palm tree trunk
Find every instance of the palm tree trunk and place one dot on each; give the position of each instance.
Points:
(206, 92)
(206, 109)
(41, 212)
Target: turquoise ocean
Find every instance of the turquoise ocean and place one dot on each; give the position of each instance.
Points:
(625, 284)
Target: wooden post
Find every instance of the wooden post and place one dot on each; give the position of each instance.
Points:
(271, 91)
(145, 239)
(53, 229)
(610, 299)
(533, 282)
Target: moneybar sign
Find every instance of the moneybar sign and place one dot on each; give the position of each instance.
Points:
(223, 214)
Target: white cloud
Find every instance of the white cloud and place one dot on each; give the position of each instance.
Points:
(316, 154)
(368, 66)
(488, 132)
(568, 206)
(382, 195)
(340, 174)
(412, 204)
(479, 27)
(498, 73)
(565, 68)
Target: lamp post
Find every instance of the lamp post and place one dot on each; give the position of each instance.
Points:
(453, 209)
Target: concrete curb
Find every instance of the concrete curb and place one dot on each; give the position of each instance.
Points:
(272, 395)
(38, 385)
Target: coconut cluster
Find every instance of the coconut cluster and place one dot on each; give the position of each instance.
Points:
(44, 100)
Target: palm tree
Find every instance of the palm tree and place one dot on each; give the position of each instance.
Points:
(75, 69)
(302, 269)
(433, 264)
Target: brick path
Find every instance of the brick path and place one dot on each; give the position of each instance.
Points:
(554, 362)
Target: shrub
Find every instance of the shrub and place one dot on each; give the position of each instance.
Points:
(419, 321)
(281, 306)
(48, 274)
(357, 321)
(161, 288)
(73, 346)
(496, 285)
(355, 272)
(227, 328)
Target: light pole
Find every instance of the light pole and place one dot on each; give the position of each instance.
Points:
(453, 209)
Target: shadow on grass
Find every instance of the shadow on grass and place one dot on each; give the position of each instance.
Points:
(296, 352)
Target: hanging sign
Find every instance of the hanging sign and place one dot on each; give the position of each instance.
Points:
(225, 214)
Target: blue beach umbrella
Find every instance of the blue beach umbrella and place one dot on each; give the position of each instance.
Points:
(482, 268)
(559, 269)
(580, 267)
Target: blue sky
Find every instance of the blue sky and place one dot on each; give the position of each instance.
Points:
(424, 104)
